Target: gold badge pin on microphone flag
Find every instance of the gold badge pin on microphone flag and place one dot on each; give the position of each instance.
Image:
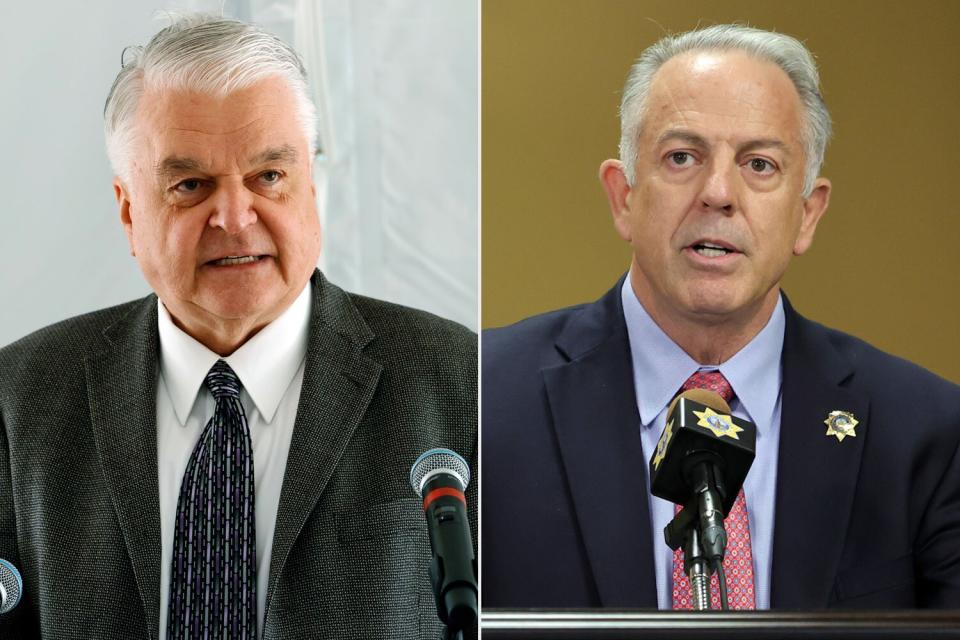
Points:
(841, 424)
(662, 444)
(718, 423)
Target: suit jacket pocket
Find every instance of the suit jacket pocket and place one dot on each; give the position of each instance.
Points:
(356, 574)
(895, 576)
(400, 517)
(388, 543)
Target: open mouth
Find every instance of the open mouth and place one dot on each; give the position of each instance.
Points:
(711, 250)
(232, 260)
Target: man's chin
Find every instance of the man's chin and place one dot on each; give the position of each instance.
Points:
(718, 305)
(238, 306)
(709, 298)
(239, 311)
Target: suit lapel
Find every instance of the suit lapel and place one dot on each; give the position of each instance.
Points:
(122, 388)
(817, 474)
(338, 384)
(595, 417)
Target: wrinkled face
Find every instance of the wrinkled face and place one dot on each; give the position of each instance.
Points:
(717, 211)
(219, 209)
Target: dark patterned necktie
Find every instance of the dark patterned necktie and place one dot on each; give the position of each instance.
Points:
(213, 585)
(738, 560)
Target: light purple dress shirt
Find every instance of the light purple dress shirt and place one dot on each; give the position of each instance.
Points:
(660, 367)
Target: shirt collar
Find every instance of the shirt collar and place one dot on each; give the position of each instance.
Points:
(754, 372)
(660, 366)
(265, 364)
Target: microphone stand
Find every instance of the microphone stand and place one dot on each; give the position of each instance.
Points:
(699, 528)
(457, 605)
(450, 634)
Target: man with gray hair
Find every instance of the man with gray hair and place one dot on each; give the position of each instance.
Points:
(229, 456)
(853, 499)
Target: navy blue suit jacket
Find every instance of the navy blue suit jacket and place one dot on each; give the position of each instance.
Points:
(869, 522)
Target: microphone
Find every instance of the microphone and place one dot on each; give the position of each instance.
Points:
(439, 477)
(700, 427)
(11, 587)
(701, 461)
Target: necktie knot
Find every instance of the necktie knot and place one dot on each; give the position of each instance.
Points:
(711, 381)
(222, 381)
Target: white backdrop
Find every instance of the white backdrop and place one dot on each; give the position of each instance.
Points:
(396, 81)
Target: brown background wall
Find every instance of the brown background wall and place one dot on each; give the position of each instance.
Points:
(884, 265)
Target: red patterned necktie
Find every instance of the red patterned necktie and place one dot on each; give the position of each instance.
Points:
(738, 561)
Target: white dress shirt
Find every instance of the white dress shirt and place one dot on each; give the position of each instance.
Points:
(270, 368)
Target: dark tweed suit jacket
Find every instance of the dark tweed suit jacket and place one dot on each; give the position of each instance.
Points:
(79, 508)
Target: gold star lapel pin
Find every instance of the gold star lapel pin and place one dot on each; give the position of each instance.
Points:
(841, 424)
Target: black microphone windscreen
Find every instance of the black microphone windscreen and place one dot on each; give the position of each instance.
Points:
(699, 424)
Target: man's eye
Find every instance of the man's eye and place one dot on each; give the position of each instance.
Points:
(188, 186)
(761, 166)
(681, 158)
(270, 177)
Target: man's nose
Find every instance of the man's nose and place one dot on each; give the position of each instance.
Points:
(719, 190)
(233, 207)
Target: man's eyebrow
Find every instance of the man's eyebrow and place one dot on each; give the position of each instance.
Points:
(285, 155)
(699, 141)
(684, 136)
(764, 143)
(175, 165)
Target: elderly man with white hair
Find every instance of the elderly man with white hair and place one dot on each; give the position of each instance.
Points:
(853, 499)
(227, 457)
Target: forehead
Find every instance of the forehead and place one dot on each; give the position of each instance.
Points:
(213, 128)
(727, 94)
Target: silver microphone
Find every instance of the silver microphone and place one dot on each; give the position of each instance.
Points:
(440, 477)
(11, 587)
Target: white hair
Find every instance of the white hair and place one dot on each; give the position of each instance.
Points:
(784, 51)
(204, 53)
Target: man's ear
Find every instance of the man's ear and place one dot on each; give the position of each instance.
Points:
(814, 206)
(122, 194)
(615, 184)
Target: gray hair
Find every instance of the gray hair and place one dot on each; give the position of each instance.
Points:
(203, 53)
(784, 51)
